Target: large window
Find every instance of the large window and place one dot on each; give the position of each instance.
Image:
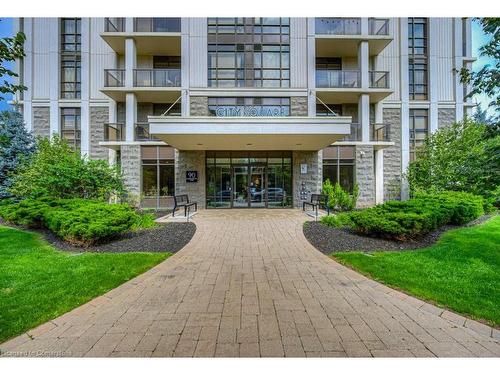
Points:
(249, 52)
(419, 128)
(417, 55)
(71, 58)
(339, 165)
(249, 107)
(158, 176)
(71, 126)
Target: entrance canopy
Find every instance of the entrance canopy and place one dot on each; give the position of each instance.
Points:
(249, 133)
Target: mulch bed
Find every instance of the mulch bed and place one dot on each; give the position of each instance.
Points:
(170, 237)
(335, 240)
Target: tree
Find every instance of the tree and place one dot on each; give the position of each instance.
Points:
(57, 171)
(481, 116)
(487, 80)
(10, 50)
(460, 157)
(16, 146)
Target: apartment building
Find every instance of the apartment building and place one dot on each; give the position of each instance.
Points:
(246, 112)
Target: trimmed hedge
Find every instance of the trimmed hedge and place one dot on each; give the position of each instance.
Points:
(403, 220)
(78, 221)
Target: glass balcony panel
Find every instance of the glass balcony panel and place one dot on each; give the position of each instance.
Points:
(158, 25)
(338, 26)
(337, 78)
(114, 77)
(157, 77)
(379, 80)
(114, 132)
(378, 26)
(114, 25)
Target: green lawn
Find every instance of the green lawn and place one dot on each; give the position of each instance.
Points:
(461, 271)
(39, 283)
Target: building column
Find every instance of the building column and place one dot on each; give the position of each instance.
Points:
(433, 77)
(129, 24)
(28, 73)
(111, 157)
(54, 74)
(405, 103)
(130, 116)
(379, 176)
(85, 88)
(364, 116)
(130, 62)
(458, 62)
(311, 65)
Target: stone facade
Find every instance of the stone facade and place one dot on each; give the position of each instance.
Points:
(198, 106)
(446, 117)
(41, 121)
(98, 117)
(131, 169)
(365, 175)
(298, 106)
(190, 161)
(312, 180)
(392, 155)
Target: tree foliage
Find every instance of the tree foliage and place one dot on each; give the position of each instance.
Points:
(461, 157)
(57, 171)
(487, 79)
(11, 48)
(16, 146)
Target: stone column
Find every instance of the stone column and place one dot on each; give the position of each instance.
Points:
(131, 169)
(365, 175)
(305, 184)
(379, 176)
(190, 161)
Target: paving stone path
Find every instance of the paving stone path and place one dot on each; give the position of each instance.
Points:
(249, 284)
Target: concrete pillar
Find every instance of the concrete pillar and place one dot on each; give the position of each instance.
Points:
(185, 22)
(130, 116)
(364, 64)
(458, 62)
(379, 176)
(85, 88)
(130, 61)
(311, 65)
(364, 26)
(364, 116)
(28, 74)
(433, 77)
(129, 24)
(54, 74)
(111, 157)
(405, 103)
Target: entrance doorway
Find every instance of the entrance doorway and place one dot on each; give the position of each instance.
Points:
(249, 179)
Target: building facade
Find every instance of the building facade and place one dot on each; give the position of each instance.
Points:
(246, 112)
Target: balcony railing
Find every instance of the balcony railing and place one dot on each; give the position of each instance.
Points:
(114, 77)
(338, 26)
(379, 80)
(157, 77)
(142, 132)
(378, 26)
(157, 25)
(338, 78)
(380, 132)
(114, 25)
(355, 133)
(114, 132)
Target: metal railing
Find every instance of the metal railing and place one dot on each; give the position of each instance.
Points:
(379, 80)
(157, 25)
(114, 132)
(114, 25)
(378, 26)
(157, 77)
(142, 132)
(114, 77)
(355, 133)
(338, 26)
(380, 132)
(338, 78)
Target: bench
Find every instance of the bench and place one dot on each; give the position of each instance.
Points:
(316, 201)
(183, 201)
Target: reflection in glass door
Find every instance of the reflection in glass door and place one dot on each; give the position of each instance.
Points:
(240, 186)
(257, 186)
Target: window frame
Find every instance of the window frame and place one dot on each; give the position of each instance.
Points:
(74, 141)
(417, 113)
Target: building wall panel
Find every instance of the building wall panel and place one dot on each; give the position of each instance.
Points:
(41, 57)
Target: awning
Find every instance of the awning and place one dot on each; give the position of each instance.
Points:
(249, 133)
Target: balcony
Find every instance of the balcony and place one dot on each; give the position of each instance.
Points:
(341, 36)
(114, 132)
(338, 78)
(355, 135)
(152, 36)
(379, 80)
(157, 77)
(142, 132)
(114, 77)
(380, 133)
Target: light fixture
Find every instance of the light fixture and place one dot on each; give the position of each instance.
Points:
(298, 144)
(199, 144)
(249, 144)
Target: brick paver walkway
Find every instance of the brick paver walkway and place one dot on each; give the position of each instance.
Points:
(249, 284)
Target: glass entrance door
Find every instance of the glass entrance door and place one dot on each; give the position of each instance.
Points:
(240, 186)
(257, 188)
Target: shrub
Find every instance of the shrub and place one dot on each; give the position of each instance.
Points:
(339, 199)
(78, 221)
(422, 214)
(336, 221)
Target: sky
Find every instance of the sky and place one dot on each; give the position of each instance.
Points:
(478, 39)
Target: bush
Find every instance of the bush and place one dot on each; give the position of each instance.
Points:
(78, 221)
(56, 170)
(424, 213)
(339, 199)
(336, 221)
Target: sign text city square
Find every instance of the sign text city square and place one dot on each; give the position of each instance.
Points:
(250, 111)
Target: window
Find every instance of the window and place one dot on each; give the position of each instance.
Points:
(166, 62)
(417, 63)
(158, 176)
(338, 166)
(71, 58)
(249, 107)
(248, 52)
(70, 126)
(419, 128)
(322, 110)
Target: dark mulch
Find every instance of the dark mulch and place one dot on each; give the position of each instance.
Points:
(170, 237)
(335, 240)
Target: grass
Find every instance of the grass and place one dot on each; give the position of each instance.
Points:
(460, 272)
(39, 283)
